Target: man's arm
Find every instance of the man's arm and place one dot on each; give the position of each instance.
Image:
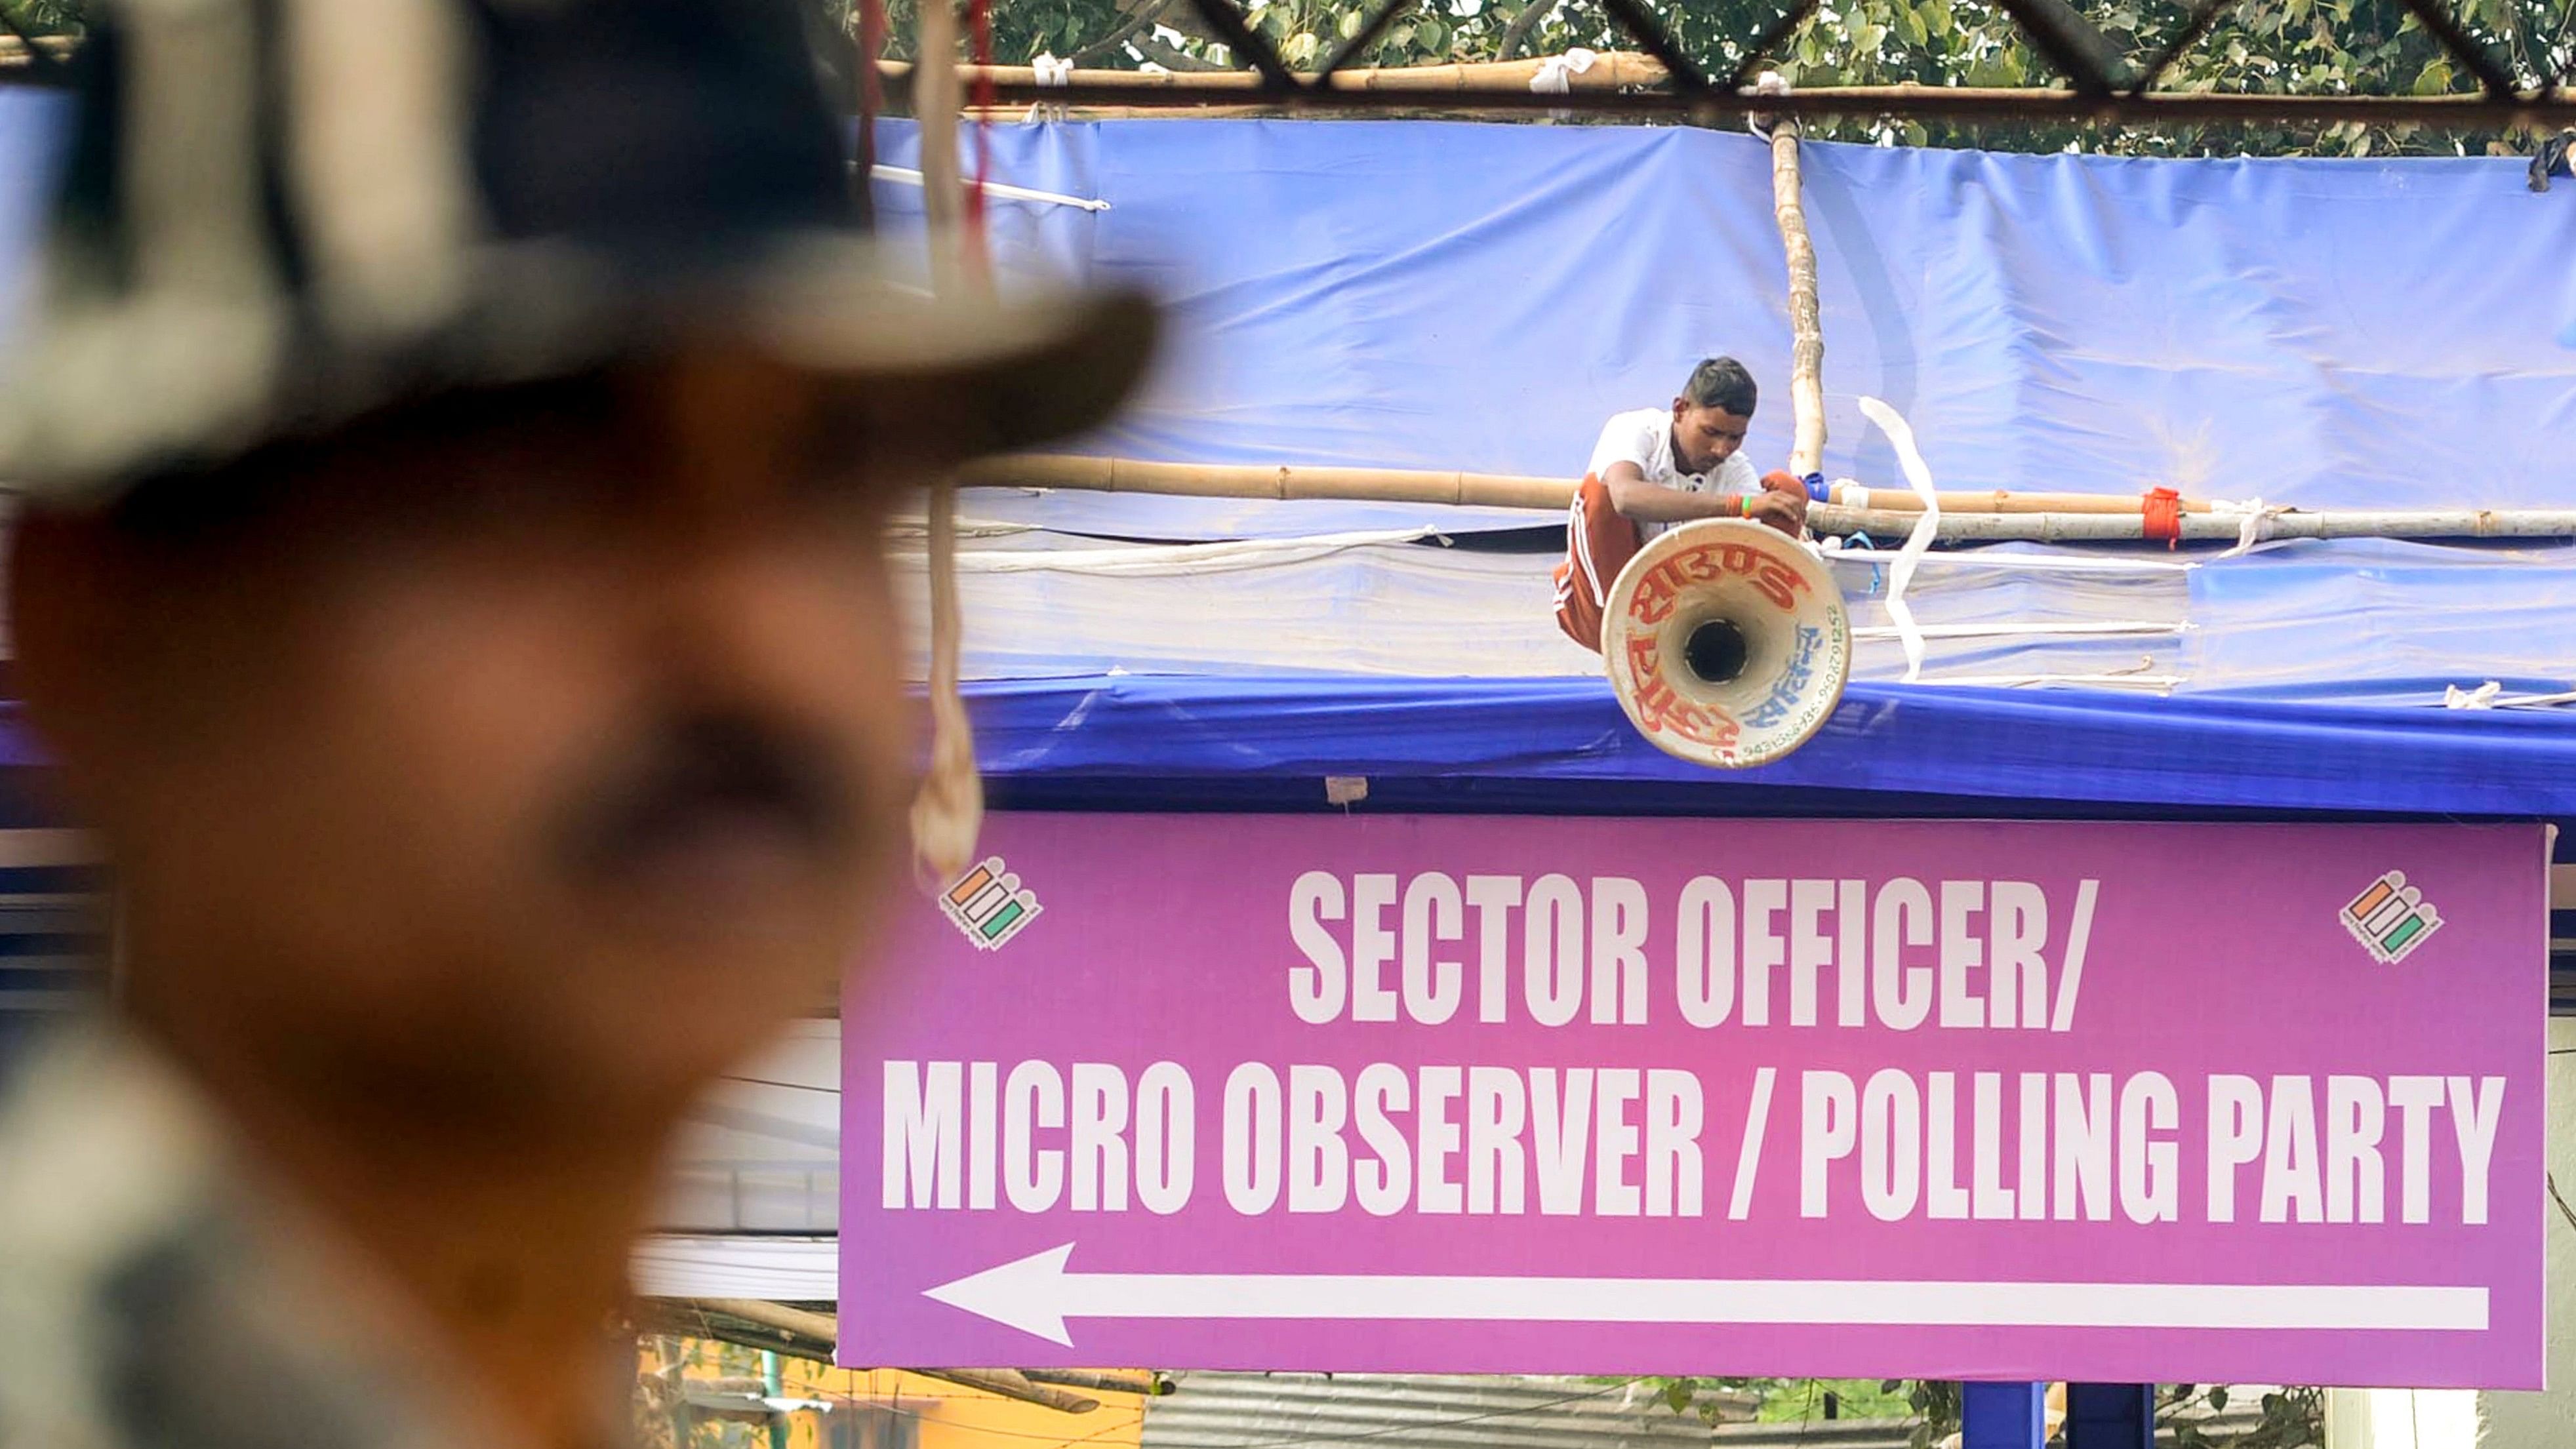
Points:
(1636, 498)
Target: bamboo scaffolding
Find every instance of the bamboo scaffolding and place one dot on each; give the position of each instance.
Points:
(1468, 490)
(1966, 516)
(1610, 71)
(2063, 527)
(1089, 89)
(1897, 500)
(1199, 480)
(1806, 326)
(808, 1332)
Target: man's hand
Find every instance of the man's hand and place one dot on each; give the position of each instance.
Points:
(1783, 508)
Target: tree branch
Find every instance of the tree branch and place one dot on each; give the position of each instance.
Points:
(1145, 15)
(2204, 14)
(1772, 39)
(1242, 44)
(1517, 33)
(2464, 48)
(1170, 58)
(1349, 50)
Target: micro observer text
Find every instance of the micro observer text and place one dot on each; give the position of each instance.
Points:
(1422, 960)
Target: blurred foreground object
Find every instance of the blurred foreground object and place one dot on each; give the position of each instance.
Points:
(453, 451)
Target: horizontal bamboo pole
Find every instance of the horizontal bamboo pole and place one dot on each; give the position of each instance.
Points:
(1609, 71)
(1404, 485)
(1966, 516)
(1146, 1386)
(2203, 527)
(823, 1328)
(2528, 109)
(1900, 500)
(1201, 480)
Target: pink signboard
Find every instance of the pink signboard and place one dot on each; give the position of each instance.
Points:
(2124, 1103)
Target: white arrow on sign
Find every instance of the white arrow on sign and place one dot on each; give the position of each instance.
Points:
(1036, 1294)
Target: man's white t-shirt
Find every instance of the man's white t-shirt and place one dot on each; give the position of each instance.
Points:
(1645, 438)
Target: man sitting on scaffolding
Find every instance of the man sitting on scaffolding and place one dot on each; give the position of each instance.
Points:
(1653, 469)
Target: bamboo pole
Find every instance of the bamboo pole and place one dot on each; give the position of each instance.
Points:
(2044, 105)
(1806, 326)
(1201, 480)
(1897, 500)
(936, 101)
(1146, 1386)
(1610, 71)
(1966, 516)
(1402, 485)
(2204, 527)
(803, 1327)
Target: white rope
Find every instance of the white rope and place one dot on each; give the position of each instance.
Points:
(2163, 682)
(2013, 562)
(1917, 543)
(906, 176)
(2113, 628)
(1182, 558)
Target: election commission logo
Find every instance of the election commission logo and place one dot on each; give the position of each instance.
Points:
(989, 904)
(2391, 918)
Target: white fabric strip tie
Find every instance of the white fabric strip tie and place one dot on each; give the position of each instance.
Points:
(1049, 71)
(1918, 542)
(1555, 76)
(2253, 524)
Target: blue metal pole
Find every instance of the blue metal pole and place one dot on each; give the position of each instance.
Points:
(2002, 1416)
(2110, 1416)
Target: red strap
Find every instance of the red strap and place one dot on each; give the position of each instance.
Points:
(2162, 511)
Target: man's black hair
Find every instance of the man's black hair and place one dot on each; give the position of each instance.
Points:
(1721, 382)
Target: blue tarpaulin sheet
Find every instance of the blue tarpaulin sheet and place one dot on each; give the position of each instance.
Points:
(2381, 333)
(2374, 333)
(1148, 742)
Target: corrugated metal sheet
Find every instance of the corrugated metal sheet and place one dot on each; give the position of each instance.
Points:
(1314, 1411)
(51, 931)
(1376, 1411)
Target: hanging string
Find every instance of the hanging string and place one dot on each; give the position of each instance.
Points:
(948, 806)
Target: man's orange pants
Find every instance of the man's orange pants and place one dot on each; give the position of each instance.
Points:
(1599, 541)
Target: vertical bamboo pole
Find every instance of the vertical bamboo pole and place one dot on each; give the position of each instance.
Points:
(935, 96)
(948, 809)
(1806, 328)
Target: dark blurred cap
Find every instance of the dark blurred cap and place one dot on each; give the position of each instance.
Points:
(280, 215)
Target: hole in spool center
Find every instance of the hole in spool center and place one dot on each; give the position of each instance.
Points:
(1715, 652)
